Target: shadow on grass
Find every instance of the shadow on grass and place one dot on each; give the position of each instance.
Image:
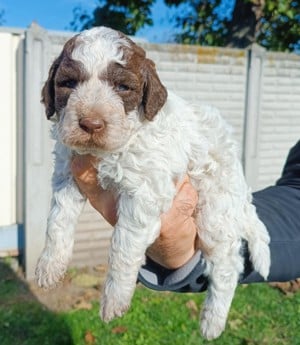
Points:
(23, 320)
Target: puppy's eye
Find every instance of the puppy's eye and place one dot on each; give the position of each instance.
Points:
(68, 83)
(122, 88)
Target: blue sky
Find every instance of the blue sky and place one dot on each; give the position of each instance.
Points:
(57, 15)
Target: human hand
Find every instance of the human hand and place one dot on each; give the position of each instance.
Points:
(176, 243)
(84, 171)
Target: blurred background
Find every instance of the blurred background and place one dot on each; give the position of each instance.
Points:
(273, 24)
(241, 56)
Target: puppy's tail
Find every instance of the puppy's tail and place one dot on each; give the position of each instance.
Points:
(258, 242)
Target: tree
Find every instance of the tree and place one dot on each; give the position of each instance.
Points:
(201, 22)
(244, 23)
(279, 26)
(127, 16)
(274, 24)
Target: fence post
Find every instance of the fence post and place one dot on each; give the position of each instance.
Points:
(37, 160)
(256, 56)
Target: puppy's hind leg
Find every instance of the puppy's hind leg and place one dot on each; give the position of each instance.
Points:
(223, 279)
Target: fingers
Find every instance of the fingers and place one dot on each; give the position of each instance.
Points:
(186, 198)
(176, 243)
(182, 208)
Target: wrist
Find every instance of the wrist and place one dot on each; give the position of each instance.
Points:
(188, 278)
(171, 262)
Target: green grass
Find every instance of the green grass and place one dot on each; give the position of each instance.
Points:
(259, 315)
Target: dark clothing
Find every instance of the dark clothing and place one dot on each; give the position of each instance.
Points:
(278, 207)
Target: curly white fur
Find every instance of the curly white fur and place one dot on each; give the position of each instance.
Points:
(142, 165)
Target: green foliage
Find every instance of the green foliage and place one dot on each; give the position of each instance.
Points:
(127, 16)
(200, 22)
(280, 25)
(274, 24)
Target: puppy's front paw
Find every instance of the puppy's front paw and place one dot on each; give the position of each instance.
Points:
(49, 271)
(115, 301)
(212, 325)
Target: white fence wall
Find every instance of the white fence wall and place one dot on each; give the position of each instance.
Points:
(215, 76)
(279, 114)
(257, 92)
(37, 157)
(9, 44)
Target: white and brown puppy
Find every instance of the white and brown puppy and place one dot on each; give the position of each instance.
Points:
(109, 102)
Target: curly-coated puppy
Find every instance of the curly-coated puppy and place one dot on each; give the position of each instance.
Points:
(108, 101)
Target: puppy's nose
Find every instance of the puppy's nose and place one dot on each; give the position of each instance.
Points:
(91, 125)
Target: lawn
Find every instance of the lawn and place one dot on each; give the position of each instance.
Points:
(259, 315)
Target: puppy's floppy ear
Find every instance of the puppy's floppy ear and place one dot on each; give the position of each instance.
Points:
(48, 91)
(155, 94)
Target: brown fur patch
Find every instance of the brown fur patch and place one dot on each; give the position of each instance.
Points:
(145, 89)
(118, 75)
(55, 94)
(155, 94)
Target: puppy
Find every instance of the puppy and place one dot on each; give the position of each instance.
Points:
(107, 100)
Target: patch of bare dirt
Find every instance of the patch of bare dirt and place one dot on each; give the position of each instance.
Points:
(288, 288)
(77, 291)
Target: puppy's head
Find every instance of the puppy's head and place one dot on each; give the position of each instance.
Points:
(101, 87)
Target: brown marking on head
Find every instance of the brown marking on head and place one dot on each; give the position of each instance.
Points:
(155, 94)
(64, 74)
(126, 83)
(137, 82)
